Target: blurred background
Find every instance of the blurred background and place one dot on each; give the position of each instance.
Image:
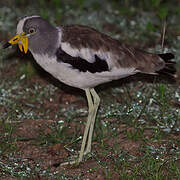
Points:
(136, 22)
(138, 123)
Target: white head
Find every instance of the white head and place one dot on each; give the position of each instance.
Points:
(21, 21)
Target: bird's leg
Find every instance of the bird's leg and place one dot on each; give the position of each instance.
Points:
(92, 110)
(88, 124)
(86, 131)
(96, 100)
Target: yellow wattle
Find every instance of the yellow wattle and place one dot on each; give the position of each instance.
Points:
(21, 40)
(24, 41)
(20, 47)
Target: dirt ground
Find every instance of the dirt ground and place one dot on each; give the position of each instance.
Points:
(34, 152)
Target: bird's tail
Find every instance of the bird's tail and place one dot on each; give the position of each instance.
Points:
(169, 68)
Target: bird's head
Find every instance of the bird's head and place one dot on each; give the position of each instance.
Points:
(34, 33)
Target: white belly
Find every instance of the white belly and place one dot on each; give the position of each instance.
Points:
(73, 77)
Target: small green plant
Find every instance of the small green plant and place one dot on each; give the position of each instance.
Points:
(156, 3)
(150, 27)
(26, 70)
(135, 134)
(162, 12)
(178, 11)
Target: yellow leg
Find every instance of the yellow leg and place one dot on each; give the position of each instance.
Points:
(93, 104)
(89, 121)
(96, 100)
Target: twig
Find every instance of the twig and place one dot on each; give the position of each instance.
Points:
(163, 34)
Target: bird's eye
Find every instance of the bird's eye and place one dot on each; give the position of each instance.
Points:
(32, 30)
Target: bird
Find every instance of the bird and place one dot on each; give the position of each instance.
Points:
(82, 57)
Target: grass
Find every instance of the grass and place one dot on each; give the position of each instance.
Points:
(41, 121)
(135, 136)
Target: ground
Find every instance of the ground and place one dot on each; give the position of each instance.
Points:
(42, 120)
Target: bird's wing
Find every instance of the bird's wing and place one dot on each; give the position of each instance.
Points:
(89, 50)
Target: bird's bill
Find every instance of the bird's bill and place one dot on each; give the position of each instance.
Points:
(21, 40)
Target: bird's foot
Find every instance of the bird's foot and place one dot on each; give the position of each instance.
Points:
(69, 163)
(76, 160)
(87, 151)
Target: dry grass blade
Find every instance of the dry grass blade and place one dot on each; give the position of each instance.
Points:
(163, 34)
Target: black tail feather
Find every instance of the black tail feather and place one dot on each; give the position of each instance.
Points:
(167, 56)
(169, 68)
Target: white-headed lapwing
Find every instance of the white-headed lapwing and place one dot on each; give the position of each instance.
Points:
(82, 57)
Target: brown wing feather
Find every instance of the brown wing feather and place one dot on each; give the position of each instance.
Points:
(122, 56)
(85, 37)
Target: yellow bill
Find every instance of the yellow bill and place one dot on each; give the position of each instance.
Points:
(21, 40)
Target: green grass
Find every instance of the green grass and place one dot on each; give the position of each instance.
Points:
(147, 111)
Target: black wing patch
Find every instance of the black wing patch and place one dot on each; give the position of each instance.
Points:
(99, 65)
